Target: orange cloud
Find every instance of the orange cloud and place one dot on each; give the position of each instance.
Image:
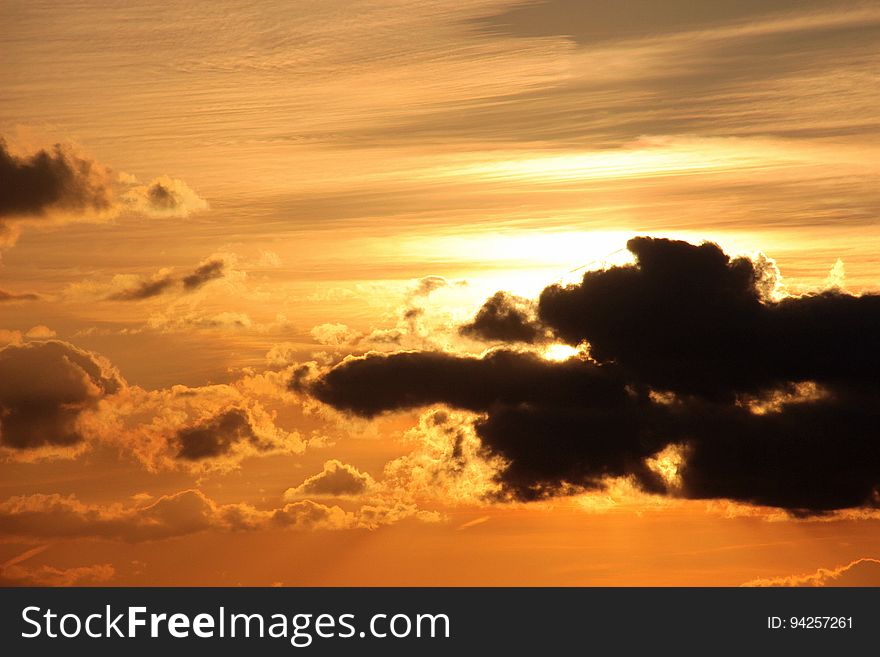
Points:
(61, 185)
(861, 572)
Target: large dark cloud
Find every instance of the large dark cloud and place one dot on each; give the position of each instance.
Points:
(48, 180)
(44, 388)
(376, 383)
(767, 402)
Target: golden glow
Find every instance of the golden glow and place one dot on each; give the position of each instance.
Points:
(560, 352)
(667, 463)
(334, 154)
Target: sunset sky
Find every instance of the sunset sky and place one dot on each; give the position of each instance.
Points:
(249, 257)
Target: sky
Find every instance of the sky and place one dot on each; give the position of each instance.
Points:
(566, 292)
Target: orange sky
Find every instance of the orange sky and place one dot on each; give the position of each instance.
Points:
(290, 183)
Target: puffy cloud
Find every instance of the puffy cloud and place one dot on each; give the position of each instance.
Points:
(762, 400)
(311, 515)
(861, 572)
(42, 516)
(40, 332)
(283, 354)
(337, 479)
(10, 337)
(164, 197)
(216, 436)
(691, 319)
(60, 185)
(208, 428)
(45, 389)
(56, 180)
(57, 400)
(335, 334)
(57, 516)
(504, 318)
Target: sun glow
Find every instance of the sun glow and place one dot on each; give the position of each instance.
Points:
(560, 352)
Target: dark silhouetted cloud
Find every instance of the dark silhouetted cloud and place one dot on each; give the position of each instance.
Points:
(504, 318)
(216, 436)
(763, 401)
(55, 179)
(164, 197)
(376, 383)
(690, 319)
(61, 185)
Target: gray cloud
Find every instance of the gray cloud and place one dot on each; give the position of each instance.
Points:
(44, 388)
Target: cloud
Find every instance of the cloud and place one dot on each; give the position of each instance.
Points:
(428, 284)
(698, 383)
(207, 428)
(40, 332)
(49, 181)
(144, 289)
(6, 296)
(187, 512)
(207, 271)
(57, 516)
(861, 572)
(57, 400)
(216, 436)
(504, 318)
(448, 465)
(8, 337)
(335, 334)
(60, 185)
(211, 269)
(164, 197)
(337, 479)
(690, 319)
(14, 573)
(45, 389)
